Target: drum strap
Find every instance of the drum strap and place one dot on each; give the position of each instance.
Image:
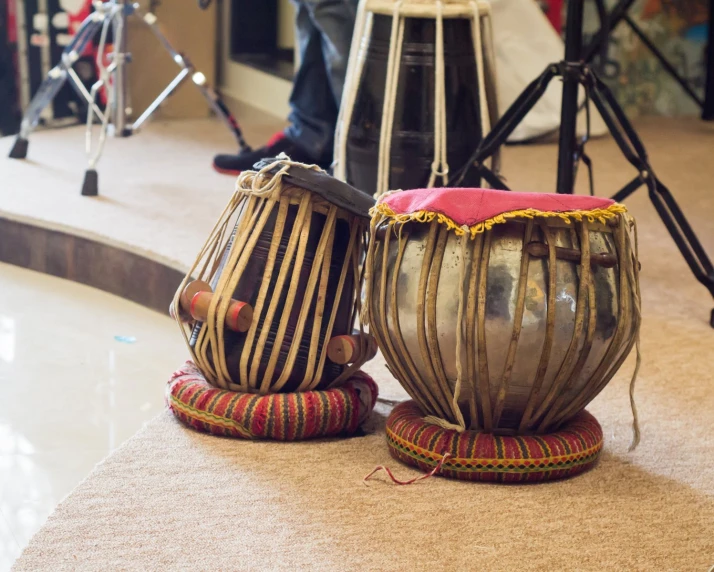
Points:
(633, 276)
(461, 426)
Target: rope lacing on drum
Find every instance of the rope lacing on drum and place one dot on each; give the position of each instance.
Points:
(440, 166)
(263, 183)
(390, 99)
(456, 410)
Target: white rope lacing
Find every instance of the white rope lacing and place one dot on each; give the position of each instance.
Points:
(440, 166)
(390, 100)
(355, 66)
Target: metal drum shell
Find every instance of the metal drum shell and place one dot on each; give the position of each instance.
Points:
(395, 316)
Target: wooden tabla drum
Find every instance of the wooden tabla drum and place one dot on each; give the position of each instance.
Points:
(420, 93)
(270, 303)
(501, 312)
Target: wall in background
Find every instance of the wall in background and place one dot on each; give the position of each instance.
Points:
(192, 31)
(245, 84)
(286, 24)
(642, 86)
(679, 29)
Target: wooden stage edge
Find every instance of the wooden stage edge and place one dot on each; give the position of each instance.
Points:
(88, 261)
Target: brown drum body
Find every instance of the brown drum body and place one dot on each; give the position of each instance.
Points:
(548, 314)
(254, 279)
(293, 257)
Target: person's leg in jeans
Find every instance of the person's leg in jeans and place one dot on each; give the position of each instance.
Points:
(324, 34)
(316, 95)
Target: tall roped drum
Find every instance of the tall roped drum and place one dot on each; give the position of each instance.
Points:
(420, 93)
(502, 313)
(271, 300)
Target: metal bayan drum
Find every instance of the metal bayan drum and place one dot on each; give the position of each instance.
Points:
(262, 303)
(514, 326)
(420, 93)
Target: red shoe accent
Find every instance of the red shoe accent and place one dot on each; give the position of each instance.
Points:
(277, 137)
(226, 171)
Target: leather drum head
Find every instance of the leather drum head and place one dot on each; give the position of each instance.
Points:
(333, 190)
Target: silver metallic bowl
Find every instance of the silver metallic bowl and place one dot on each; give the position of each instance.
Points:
(548, 313)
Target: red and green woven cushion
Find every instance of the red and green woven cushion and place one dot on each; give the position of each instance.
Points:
(280, 416)
(477, 456)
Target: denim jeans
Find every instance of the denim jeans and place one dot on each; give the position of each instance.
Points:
(324, 33)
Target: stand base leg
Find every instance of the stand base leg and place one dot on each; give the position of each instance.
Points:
(630, 146)
(90, 186)
(19, 148)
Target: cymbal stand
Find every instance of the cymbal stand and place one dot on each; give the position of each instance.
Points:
(115, 118)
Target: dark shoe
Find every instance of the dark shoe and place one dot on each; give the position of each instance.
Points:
(278, 143)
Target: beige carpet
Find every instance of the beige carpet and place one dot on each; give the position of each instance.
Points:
(171, 498)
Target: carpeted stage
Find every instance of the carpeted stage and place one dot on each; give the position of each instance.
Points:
(174, 499)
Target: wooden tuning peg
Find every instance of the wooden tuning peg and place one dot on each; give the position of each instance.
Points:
(195, 301)
(345, 349)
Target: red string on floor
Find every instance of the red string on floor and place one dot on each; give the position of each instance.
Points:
(396, 481)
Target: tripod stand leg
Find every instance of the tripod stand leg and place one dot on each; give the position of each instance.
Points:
(19, 148)
(108, 74)
(664, 202)
(628, 189)
(681, 232)
(622, 132)
(44, 96)
(641, 162)
(220, 109)
(503, 128)
(199, 79)
(154, 105)
(90, 185)
(671, 70)
(52, 84)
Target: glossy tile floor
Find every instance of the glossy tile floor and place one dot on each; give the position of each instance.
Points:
(80, 372)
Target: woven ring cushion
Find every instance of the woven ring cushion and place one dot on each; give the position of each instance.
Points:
(478, 456)
(280, 416)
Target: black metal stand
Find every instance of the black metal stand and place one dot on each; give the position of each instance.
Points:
(567, 152)
(574, 73)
